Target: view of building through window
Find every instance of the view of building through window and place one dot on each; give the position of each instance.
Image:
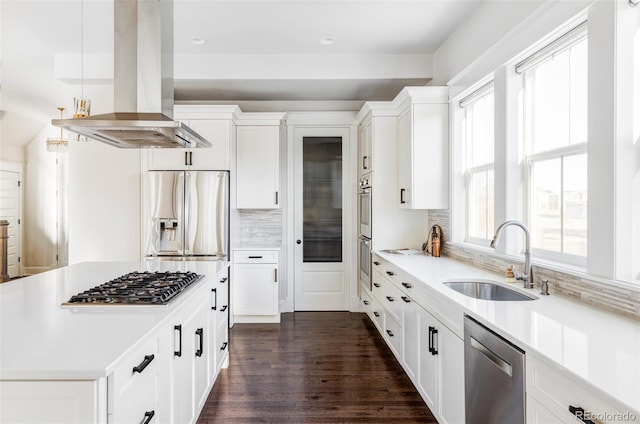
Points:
(478, 140)
(555, 122)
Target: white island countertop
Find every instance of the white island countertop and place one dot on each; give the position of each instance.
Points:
(601, 348)
(40, 339)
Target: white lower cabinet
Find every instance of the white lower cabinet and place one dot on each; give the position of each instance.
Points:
(189, 362)
(255, 286)
(431, 354)
(71, 402)
(410, 337)
(553, 396)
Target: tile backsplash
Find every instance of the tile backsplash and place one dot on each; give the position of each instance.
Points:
(614, 299)
(259, 227)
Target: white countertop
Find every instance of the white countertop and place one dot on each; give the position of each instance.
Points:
(39, 339)
(599, 347)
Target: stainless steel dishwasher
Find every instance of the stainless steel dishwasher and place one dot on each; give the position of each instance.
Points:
(493, 377)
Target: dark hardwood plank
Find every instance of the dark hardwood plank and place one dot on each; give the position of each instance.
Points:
(314, 367)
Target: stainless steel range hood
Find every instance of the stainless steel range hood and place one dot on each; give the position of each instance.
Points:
(143, 83)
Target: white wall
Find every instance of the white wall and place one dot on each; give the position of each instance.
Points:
(494, 34)
(104, 203)
(40, 206)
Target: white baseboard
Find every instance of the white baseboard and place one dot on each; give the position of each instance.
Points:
(257, 319)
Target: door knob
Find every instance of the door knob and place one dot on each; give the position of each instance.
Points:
(298, 241)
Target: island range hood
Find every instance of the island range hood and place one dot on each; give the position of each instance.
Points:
(143, 83)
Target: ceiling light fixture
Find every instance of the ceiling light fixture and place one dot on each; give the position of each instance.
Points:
(58, 144)
(197, 41)
(327, 41)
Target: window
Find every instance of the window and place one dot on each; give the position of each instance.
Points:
(555, 147)
(477, 139)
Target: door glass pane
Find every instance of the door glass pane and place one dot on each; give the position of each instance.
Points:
(322, 199)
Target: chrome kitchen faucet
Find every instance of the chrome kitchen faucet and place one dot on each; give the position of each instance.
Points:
(527, 275)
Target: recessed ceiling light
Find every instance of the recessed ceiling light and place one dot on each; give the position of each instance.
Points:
(327, 41)
(197, 41)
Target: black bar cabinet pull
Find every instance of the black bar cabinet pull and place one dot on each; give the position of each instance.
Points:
(376, 314)
(186, 158)
(200, 342)
(391, 274)
(390, 299)
(389, 333)
(215, 299)
(376, 285)
(364, 162)
(190, 158)
(148, 416)
(432, 344)
(224, 346)
(144, 364)
(366, 302)
(224, 280)
(376, 263)
(406, 299)
(276, 197)
(178, 352)
(579, 413)
(407, 285)
(255, 257)
(402, 191)
(224, 308)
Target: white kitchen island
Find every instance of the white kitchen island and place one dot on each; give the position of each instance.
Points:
(119, 363)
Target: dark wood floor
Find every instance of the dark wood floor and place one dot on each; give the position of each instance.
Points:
(315, 367)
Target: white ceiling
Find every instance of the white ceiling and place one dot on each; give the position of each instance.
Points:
(261, 50)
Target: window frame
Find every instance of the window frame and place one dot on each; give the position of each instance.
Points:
(560, 44)
(478, 92)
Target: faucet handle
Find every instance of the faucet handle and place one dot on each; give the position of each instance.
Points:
(544, 287)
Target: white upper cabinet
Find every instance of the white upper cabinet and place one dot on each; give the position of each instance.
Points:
(365, 148)
(423, 154)
(214, 158)
(257, 167)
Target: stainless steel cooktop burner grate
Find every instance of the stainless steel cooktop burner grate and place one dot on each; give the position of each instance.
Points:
(137, 288)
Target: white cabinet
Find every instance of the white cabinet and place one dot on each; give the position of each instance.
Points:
(365, 148)
(216, 157)
(553, 395)
(431, 353)
(257, 167)
(423, 156)
(410, 337)
(441, 378)
(218, 322)
(72, 402)
(255, 286)
(190, 361)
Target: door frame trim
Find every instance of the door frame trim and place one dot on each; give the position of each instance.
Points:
(323, 120)
(18, 168)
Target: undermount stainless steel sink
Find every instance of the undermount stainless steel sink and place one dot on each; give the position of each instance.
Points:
(487, 291)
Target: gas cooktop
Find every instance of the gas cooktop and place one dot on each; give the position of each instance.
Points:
(137, 288)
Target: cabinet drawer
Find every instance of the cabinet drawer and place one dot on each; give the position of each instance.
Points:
(255, 257)
(140, 404)
(377, 284)
(378, 315)
(133, 370)
(393, 301)
(365, 301)
(222, 339)
(557, 393)
(393, 335)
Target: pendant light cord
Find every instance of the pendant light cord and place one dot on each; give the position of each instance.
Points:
(81, 49)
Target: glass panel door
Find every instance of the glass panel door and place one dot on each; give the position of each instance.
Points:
(322, 199)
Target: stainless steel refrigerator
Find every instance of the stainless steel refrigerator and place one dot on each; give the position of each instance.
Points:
(186, 214)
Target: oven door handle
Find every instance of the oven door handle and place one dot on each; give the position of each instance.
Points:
(365, 240)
